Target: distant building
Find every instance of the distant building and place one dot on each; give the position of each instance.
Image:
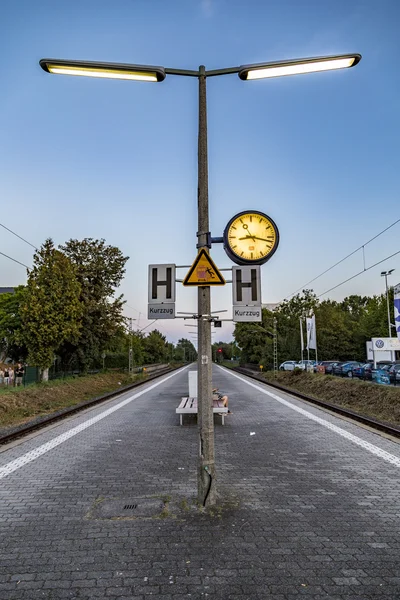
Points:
(271, 306)
(6, 290)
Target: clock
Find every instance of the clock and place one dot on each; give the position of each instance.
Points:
(251, 238)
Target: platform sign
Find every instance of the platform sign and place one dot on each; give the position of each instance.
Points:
(161, 284)
(203, 272)
(161, 311)
(246, 285)
(244, 314)
(161, 295)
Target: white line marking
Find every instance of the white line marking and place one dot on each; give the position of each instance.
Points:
(394, 460)
(34, 454)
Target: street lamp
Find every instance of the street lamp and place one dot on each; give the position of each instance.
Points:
(385, 274)
(206, 477)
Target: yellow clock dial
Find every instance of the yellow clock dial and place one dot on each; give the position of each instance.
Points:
(251, 237)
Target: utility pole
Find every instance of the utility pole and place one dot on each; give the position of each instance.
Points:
(275, 347)
(130, 367)
(206, 474)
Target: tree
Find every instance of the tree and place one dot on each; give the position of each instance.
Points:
(11, 330)
(185, 350)
(99, 271)
(155, 347)
(50, 311)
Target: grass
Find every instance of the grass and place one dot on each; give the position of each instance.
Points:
(20, 405)
(377, 401)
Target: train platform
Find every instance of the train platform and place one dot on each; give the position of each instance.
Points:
(102, 504)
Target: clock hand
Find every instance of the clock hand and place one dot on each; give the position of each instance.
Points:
(254, 237)
(246, 227)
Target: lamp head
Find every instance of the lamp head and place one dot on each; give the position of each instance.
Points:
(102, 70)
(298, 66)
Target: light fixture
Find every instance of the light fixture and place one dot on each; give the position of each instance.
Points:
(298, 66)
(103, 70)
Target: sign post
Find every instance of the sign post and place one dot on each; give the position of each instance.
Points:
(161, 296)
(246, 288)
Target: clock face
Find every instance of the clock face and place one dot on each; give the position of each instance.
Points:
(251, 237)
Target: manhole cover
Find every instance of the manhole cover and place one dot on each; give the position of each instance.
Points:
(132, 507)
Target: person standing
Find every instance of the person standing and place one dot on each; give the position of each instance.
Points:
(19, 374)
(1, 376)
(6, 376)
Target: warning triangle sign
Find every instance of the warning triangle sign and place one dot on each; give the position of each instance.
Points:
(203, 271)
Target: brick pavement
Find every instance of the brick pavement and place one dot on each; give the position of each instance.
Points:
(305, 512)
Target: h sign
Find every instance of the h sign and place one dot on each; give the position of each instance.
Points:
(246, 284)
(161, 284)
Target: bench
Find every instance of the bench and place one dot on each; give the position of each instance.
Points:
(188, 406)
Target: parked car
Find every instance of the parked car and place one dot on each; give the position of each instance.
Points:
(288, 365)
(329, 367)
(394, 374)
(345, 369)
(364, 371)
(327, 364)
(304, 365)
(381, 373)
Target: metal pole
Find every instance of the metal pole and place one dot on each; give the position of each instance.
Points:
(301, 338)
(206, 484)
(388, 308)
(130, 365)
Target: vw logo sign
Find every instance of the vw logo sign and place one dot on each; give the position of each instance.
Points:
(379, 343)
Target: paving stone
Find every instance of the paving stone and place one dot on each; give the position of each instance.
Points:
(303, 512)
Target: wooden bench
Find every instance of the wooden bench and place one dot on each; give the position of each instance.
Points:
(188, 406)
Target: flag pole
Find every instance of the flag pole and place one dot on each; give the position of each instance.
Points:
(301, 338)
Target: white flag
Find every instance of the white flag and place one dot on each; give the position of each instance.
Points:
(396, 291)
(311, 333)
(301, 335)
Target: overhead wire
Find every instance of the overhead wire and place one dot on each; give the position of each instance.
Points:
(21, 238)
(18, 236)
(14, 259)
(345, 258)
(357, 274)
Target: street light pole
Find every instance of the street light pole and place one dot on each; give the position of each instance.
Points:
(206, 489)
(206, 465)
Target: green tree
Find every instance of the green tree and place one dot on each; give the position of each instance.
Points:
(255, 340)
(343, 328)
(99, 269)
(11, 329)
(51, 311)
(185, 350)
(155, 348)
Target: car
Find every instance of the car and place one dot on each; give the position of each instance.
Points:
(345, 369)
(381, 373)
(330, 366)
(394, 374)
(323, 365)
(364, 371)
(305, 365)
(288, 365)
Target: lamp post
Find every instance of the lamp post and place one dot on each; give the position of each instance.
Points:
(206, 475)
(385, 274)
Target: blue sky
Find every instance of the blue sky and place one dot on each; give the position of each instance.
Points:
(118, 160)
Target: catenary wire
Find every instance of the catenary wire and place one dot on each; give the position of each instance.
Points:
(345, 258)
(18, 236)
(13, 259)
(357, 274)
